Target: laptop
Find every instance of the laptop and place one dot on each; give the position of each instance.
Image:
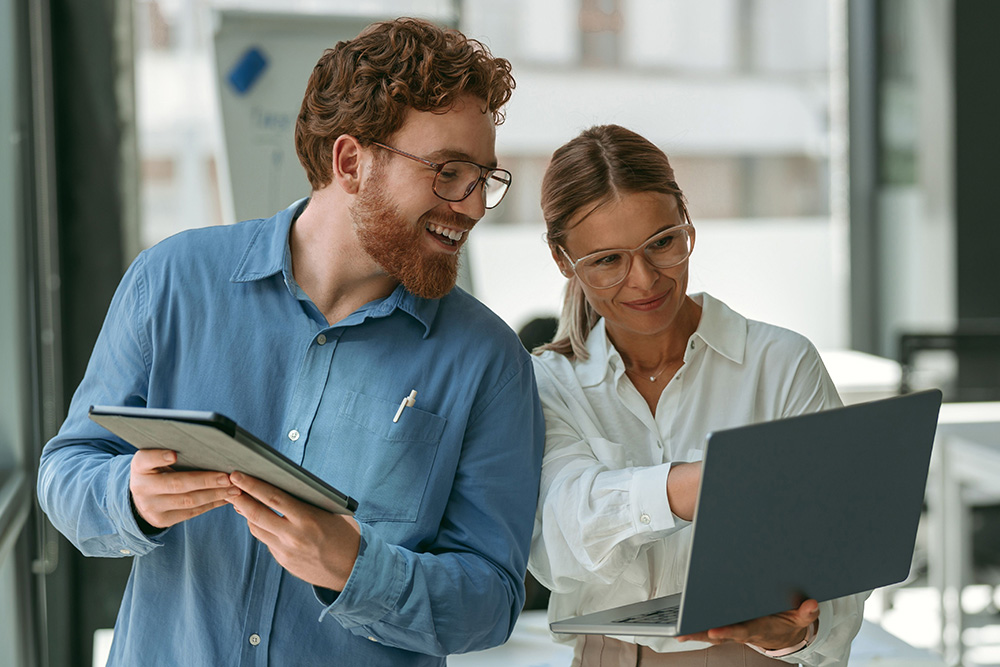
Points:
(816, 506)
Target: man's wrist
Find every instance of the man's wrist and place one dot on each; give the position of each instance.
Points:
(788, 650)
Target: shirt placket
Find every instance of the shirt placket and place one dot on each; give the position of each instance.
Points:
(266, 575)
(668, 412)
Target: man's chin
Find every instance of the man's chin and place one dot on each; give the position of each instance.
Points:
(431, 283)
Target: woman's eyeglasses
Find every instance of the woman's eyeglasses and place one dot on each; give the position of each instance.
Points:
(608, 268)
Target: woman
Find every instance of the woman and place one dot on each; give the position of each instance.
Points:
(638, 374)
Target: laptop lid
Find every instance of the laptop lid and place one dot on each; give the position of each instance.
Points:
(816, 506)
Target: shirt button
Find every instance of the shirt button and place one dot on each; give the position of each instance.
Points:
(644, 518)
(293, 435)
(372, 639)
(254, 639)
(125, 551)
(321, 339)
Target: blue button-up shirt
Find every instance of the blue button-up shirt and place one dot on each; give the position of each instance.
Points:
(212, 319)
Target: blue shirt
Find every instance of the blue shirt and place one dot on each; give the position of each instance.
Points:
(211, 319)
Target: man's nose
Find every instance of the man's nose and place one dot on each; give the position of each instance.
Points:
(473, 206)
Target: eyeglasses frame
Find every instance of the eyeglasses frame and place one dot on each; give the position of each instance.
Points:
(631, 255)
(484, 173)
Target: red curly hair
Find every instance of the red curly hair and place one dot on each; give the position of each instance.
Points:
(363, 87)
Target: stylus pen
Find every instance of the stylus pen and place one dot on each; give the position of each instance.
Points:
(407, 401)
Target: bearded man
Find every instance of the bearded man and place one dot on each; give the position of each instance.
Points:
(309, 328)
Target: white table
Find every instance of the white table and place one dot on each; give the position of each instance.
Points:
(861, 377)
(965, 471)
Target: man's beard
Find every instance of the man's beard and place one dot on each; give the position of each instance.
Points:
(396, 245)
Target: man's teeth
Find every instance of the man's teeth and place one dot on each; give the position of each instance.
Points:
(452, 234)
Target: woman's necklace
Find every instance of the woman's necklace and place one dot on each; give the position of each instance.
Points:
(654, 377)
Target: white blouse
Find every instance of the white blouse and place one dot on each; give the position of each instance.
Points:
(604, 532)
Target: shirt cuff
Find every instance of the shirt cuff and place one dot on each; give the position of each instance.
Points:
(373, 587)
(825, 624)
(648, 499)
(134, 542)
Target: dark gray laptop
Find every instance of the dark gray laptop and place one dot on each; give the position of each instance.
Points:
(818, 506)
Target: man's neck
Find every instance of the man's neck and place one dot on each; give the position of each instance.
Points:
(328, 262)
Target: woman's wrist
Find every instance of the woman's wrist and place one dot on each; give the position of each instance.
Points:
(794, 648)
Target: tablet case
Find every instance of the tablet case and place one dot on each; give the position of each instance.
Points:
(210, 441)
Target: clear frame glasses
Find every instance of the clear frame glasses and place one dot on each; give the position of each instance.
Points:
(455, 180)
(608, 268)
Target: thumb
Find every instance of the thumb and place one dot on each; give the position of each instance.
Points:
(146, 461)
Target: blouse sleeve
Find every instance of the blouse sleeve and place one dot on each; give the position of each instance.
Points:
(591, 520)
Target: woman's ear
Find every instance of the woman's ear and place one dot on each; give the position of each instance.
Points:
(348, 159)
(560, 259)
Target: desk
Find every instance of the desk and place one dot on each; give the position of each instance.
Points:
(965, 471)
(861, 377)
(531, 645)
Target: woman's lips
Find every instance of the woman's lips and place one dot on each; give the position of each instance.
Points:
(646, 304)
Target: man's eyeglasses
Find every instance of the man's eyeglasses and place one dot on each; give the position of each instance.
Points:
(608, 268)
(455, 180)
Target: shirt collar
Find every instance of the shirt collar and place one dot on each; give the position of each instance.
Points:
(721, 328)
(420, 309)
(603, 358)
(268, 253)
(265, 254)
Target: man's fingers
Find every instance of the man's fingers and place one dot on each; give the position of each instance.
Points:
(175, 517)
(148, 461)
(190, 501)
(268, 495)
(256, 512)
(163, 497)
(176, 483)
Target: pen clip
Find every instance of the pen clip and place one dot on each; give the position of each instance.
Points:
(407, 401)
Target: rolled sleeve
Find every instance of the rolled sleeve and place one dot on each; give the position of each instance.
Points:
(650, 508)
(119, 504)
(373, 588)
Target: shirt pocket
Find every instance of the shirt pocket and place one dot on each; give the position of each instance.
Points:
(388, 464)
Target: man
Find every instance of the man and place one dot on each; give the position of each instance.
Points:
(310, 328)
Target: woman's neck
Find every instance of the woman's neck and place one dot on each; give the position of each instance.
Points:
(651, 355)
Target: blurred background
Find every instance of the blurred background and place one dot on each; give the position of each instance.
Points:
(835, 154)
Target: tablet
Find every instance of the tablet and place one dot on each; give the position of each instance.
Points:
(210, 441)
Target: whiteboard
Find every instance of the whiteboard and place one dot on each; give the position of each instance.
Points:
(276, 54)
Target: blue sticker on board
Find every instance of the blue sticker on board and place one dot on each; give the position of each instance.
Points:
(247, 70)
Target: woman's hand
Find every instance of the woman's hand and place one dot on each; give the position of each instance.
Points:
(768, 632)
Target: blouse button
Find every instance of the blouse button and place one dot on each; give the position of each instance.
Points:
(644, 518)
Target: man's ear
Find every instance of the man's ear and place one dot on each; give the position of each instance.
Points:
(348, 163)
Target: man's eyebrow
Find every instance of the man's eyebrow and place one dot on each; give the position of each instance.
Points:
(446, 154)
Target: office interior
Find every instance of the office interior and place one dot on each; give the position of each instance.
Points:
(839, 157)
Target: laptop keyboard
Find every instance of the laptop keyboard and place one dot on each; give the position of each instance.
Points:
(660, 616)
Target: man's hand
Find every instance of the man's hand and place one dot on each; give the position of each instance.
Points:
(769, 632)
(163, 497)
(317, 546)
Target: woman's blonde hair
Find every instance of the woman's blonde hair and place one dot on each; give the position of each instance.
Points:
(601, 164)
